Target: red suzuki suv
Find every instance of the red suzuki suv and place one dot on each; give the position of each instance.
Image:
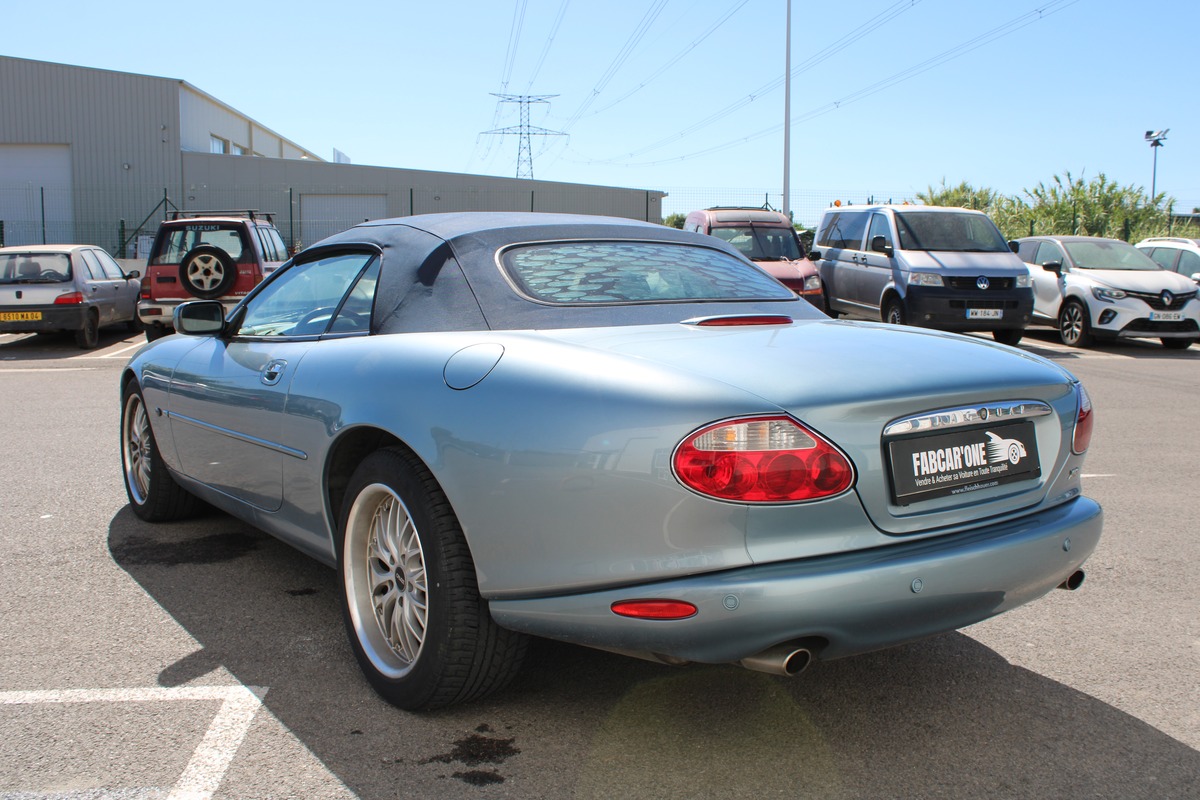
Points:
(206, 255)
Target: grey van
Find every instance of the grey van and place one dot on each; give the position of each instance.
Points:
(945, 268)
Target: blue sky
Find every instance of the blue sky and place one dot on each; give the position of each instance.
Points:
(686, 96)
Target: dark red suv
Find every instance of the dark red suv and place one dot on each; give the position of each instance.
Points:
(206, 255)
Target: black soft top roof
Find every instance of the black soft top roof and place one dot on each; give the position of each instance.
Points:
(440, 273)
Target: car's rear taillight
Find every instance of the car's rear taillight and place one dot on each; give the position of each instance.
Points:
(69, 299)
(145, 291)
(762, 460)
(1083, 422)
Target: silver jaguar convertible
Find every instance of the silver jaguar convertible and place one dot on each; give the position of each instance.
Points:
(611, 433)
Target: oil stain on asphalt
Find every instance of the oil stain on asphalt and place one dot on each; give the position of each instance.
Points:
(474, 750)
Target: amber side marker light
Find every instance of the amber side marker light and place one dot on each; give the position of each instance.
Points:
(1083, 422)
(654, 609)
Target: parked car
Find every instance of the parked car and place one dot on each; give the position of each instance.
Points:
(208, 255)
(502, 424)
(1091, 288)
(767, 238)
(945, 268)
(65, 287)
(1176, 254)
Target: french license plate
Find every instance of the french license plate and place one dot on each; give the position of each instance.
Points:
(985, 313)
(959, 462)
(20, 316)
(1166, 316)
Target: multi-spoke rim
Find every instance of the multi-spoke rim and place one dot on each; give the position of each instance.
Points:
(136, 443)
(1072, 323)
(205, 271)
(386, 586)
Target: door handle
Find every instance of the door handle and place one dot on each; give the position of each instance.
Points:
(273, 371)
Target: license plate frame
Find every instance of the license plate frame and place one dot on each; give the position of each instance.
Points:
(1166, 316)
(962, 461)
(985, 313)
(20, 316)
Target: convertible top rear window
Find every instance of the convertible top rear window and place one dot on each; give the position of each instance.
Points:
(615, 272)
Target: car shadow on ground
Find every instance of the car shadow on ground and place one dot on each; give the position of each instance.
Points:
(61, 345)
(1045, 342)
(946, 717)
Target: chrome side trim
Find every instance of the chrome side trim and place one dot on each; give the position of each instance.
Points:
(967, 415)
(241, 437)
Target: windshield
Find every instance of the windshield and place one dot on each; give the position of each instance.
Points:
(949, 232)
(761, 244)
(599, 272)
(1103, 254)
(35, 268)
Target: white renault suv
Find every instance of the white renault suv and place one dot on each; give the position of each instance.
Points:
(1091, 288)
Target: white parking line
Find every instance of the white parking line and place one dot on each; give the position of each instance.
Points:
(211, 759)
(120, 353)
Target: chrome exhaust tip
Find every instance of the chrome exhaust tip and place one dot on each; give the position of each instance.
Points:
(1073, 582)
(784, 659)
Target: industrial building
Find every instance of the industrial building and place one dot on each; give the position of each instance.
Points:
(96, 156)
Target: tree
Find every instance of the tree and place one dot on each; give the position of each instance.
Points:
(675, 220)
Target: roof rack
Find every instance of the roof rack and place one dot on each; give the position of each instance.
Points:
(249, 213)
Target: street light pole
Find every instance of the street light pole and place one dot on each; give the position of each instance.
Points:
(1156, 139)
(787, 114)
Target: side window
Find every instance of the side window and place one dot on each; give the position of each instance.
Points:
(92, 266)
(854, 227)
(1163, 256)
(111, 268)
(879, 227)
(303, 300)
(1049, 251)
(276, 247)
(1189, 263)
(1026, 251)
(355, 314)
(825, 233)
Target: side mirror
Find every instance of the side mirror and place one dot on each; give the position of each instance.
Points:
(200, 318)
(1014, 245)
(133, 275)
(879, 245)
(814, 255)
(1196, 277)
(1053, 266)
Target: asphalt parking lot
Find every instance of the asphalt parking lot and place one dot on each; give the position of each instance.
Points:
(204, 659)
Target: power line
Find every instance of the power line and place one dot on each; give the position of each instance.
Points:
(514, 39)
(562, 12)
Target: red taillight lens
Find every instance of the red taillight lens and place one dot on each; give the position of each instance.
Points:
(145, 290)
(1083, 422)
(654, 609)
(69, 299)
(762, 460)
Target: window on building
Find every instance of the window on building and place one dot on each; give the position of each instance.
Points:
(218, 145)
(237, 150)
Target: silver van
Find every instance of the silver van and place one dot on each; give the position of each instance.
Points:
(945, 268)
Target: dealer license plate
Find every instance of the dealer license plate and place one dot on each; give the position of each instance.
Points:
(964, 461)
(985, 313)
(20, 316)
(1166, 316)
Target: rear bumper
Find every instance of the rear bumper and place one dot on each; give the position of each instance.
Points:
(851, 603)
(53, 318)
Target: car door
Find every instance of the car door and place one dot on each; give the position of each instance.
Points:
(100, 290)
(1047, 285)
(127, 287)
(876, 270)
(229, 394)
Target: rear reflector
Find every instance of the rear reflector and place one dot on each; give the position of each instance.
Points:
(654, 609)
(1083, 422)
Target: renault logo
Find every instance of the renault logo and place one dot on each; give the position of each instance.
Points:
(1167, 298)
(982, 282)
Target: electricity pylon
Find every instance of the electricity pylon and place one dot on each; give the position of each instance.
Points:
(524, 130)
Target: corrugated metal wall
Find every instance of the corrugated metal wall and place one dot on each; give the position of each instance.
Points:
(129, 137)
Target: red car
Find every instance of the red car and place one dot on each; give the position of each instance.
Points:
(206, 255)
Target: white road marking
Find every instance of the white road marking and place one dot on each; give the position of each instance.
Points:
(1098, 475)
(122, 351)
(211, 759)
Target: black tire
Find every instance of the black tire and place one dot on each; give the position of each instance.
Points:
(893, 312)
(419, 629)
(156, 332)
(829, 312)
(1009, 336)
(88, 336)
(207, 272)
(136, 325)
(153, 493)
(1074, 327)
(1177, 344)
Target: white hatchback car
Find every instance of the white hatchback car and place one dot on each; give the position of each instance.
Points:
(1092, 288)
(1174, 253)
